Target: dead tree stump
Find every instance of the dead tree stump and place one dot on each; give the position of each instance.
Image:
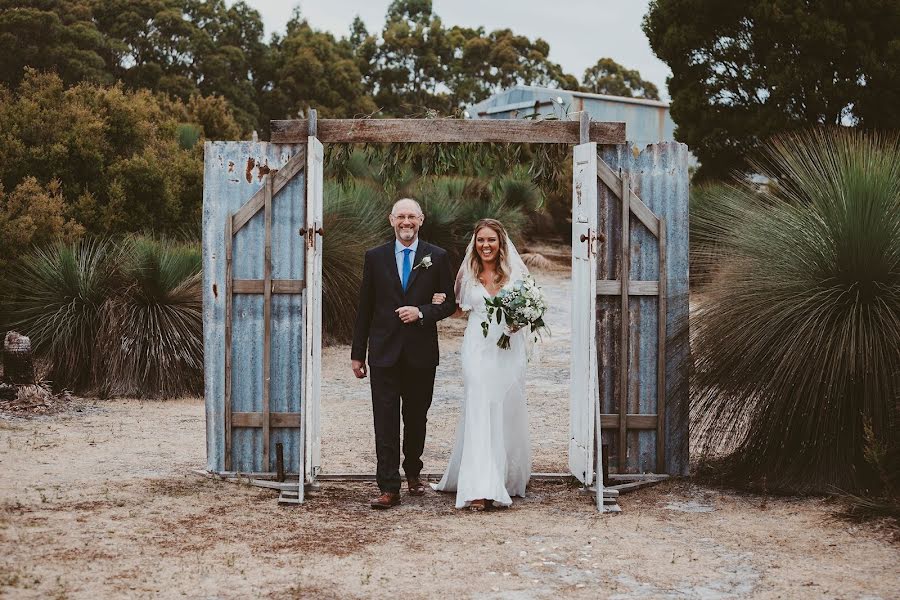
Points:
(18, 366)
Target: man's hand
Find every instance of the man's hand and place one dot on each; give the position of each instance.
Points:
(408, 314)
(359, 368)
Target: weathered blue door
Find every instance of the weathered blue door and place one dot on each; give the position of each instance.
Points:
(262, 215)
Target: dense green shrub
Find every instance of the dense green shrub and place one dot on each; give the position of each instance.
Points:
(797, 345)
(33, 214)
(121, 161)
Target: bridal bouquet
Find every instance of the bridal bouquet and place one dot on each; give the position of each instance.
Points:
(522, 305)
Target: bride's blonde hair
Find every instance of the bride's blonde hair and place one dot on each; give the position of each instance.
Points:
(503, 269)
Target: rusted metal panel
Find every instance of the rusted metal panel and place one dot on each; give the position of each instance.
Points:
(659, 176)
(233, 172)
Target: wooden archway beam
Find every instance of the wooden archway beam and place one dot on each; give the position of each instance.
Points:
(439, 131)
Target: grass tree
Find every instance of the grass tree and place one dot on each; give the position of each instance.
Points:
(151, 338)
(355, 220)
(453, 205)
(55, 297)
(797, 344)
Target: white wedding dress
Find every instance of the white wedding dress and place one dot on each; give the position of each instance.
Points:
(492, 454)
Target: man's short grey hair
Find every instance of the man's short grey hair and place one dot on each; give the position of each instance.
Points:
(418, 206)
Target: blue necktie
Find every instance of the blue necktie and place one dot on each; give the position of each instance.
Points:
(407, 267)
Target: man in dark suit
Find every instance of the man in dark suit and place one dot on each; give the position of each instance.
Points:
(398, 322)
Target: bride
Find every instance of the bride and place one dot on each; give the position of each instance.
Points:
(491, 459)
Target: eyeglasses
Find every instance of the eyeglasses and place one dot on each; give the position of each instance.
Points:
(407, 217)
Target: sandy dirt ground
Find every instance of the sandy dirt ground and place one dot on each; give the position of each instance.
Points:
(101, 501)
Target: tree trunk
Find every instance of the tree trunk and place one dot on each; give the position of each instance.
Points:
(18, 367)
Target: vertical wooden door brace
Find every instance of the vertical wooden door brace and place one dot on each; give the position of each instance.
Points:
(624, 277)
(229, 291)
(267, 322)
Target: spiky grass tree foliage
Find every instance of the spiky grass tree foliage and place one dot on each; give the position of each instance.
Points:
(453, 205)
(517, 190)
(798, 343)
(356, 219)
(151, 339)
(705, 230)
(56, 297)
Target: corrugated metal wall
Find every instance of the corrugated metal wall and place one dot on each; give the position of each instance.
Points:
(659, 176)
(233, 172)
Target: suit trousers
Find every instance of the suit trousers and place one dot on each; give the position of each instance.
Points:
(400, 389)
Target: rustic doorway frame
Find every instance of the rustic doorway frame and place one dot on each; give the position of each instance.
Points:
(301, 131)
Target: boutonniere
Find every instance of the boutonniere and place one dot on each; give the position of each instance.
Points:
(424, 263)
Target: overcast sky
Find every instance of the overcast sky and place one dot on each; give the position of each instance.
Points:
(579, 31)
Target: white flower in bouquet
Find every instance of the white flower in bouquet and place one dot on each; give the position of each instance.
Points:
(521, 305)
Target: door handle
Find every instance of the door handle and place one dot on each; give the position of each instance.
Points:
(599, 237)
(309, 233)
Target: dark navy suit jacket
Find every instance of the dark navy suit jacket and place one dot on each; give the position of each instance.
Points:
(381, 293)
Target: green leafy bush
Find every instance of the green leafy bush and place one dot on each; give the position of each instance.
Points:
(117, 154)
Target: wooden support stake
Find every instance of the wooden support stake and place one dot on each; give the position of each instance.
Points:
(584, 129)
(661, 358)
(279, 462)
(625, 267)
(313, 122)
(267, 322)
(605, 449)
(229, 293)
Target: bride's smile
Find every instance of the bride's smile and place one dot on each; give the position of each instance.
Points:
(488, 244)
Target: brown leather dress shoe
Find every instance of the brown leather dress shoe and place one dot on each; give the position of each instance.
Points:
(416, 487)
(386, 500)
